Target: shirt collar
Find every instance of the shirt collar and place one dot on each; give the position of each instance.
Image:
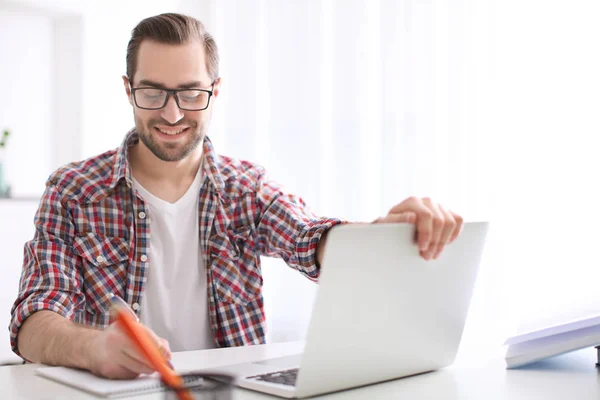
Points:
(122, 170)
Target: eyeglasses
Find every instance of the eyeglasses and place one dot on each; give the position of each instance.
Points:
(149, 98)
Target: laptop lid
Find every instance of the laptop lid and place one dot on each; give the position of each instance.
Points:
(383, 312)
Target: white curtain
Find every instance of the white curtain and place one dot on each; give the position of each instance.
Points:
(488, 107)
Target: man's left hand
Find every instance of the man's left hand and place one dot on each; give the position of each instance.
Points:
(436, 226)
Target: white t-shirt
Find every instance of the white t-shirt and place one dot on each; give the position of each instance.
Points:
(174, 301)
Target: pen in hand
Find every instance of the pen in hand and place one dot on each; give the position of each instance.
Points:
(117, 301)
(148, 347)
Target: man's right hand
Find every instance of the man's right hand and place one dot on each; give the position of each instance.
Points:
(113, 355)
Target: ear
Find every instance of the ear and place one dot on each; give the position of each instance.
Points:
(217, 88)
(128, 89)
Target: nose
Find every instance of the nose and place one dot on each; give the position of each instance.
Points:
(171, 112)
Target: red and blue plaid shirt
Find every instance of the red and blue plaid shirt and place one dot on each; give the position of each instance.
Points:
(92, 239)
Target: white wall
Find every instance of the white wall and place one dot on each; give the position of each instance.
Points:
(106, 114)
(26, 84)
(67, 90)
(76, 50)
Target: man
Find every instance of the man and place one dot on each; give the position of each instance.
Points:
(169, 226)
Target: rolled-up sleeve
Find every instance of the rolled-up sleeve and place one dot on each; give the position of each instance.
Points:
(288, 229)
(50, 279)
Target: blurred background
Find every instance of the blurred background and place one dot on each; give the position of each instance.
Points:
(489, 107)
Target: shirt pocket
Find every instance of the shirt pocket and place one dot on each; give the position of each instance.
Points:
(104, 268)
(235, 267)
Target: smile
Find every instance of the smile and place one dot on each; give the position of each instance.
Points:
(171, 132)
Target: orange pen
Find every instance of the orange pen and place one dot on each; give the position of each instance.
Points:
(147, 346)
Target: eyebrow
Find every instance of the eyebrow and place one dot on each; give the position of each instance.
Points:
(187, 85)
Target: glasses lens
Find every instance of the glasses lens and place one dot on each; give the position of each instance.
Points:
(193, 99)
(150, 98)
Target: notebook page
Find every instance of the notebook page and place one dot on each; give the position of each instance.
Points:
(91, 383)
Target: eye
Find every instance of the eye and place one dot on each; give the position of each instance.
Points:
(152, 93)
(190, 97)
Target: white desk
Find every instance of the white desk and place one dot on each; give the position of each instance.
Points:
(571, 376)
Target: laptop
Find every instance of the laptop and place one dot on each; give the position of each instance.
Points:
(381, 312)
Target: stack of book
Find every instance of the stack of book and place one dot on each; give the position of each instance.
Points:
(527, 348)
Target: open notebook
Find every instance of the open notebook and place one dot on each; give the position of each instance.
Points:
(533, 346)
(88, 382)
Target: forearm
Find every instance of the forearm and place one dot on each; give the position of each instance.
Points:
(48, 338)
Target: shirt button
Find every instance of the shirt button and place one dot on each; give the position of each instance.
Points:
(100, 259)
(144, 258)
(135, 306)
(142, 215)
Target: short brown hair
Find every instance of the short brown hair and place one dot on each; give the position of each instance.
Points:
(171, 28)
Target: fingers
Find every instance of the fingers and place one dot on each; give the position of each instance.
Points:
(120, 358)
(122, 366)
(447, 231)
(424, 228)
(126, 355)
(402, 218)
(458, 226)
(166, 349)
(108, 357)
(133, 364)
(163, 344)
(115, 371)
(437, 225)
(424, 219)
(131, 353)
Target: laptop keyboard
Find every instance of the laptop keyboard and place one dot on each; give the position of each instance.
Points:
(287, 377)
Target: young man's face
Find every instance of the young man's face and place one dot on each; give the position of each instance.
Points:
(171, 133)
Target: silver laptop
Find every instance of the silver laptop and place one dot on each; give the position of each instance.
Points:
(382, 312)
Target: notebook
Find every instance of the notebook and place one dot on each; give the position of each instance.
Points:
(90, 383)
(533, 346)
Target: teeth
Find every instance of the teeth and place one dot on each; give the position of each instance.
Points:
(171, 132)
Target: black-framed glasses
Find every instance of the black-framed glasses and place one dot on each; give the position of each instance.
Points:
(150, 98)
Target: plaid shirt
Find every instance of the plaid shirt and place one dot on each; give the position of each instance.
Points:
(93, 238)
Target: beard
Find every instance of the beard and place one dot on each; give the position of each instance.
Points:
(170, 151)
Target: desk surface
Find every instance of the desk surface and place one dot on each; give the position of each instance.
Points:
(571, 376)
